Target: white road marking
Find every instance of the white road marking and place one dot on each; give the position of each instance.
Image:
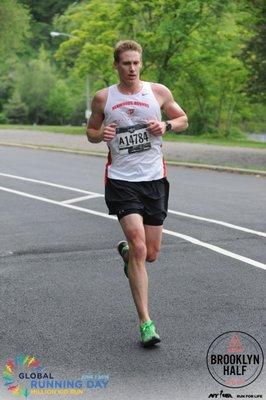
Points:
(77, 199)
(214, 221)
(50, 184)
(58, 203)
(228, 225)
(172, 233)
(216, 249)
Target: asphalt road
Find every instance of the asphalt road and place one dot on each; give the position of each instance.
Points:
(207, 154)
(64, 297)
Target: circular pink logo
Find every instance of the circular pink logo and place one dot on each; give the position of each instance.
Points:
(235, 359)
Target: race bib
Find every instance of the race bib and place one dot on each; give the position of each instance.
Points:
(133, 139)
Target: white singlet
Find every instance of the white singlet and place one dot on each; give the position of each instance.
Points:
(134, 154)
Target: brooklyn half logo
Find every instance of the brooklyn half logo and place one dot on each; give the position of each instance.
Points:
(235, 359)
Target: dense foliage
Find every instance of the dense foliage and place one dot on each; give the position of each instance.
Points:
(209, 53)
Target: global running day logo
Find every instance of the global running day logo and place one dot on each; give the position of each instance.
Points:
(24, 376)
(13, 371)
(235, 359)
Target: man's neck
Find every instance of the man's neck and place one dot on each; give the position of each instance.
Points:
(128, 88)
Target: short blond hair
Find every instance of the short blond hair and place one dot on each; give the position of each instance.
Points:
(124, 45)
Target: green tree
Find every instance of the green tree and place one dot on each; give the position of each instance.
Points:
(212, 77)
(90, 49)
(14, 29)
(6, 85)
(43, 12)
(59, 104)
(14, 32)
(77, 88)
(15, 109)
(193, 47)
(34, 83)
(43, 97)
(254, 54)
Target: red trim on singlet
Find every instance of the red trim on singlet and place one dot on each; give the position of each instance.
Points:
(164, 169)
(108, 163)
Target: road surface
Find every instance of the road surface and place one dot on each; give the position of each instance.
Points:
(64, 297)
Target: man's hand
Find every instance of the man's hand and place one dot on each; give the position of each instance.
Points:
(156, 128)
(108, 132)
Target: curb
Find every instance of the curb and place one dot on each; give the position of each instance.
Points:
(219, 168)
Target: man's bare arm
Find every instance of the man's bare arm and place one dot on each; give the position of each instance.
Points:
(94, 131)
(176, 116)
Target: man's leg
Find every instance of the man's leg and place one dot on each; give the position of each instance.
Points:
(153, 239)
(153, 236)
(133, 228)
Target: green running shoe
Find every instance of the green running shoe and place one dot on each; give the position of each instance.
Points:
(122, 247)
(149, 337)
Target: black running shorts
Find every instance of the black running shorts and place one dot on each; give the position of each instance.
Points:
(149, 199)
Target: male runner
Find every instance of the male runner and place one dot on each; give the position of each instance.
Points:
(127, 116)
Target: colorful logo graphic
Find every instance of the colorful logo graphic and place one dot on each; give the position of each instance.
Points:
(24, 376)
(235, 359)
(13, 368)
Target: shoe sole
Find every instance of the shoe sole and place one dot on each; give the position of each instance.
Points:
(118, 245)
(151, 342)
(125, 267)
(126, 270)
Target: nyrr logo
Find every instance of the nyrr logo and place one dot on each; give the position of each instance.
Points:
(220, 395)
(235, 359)
(130, 111)
(17, 371)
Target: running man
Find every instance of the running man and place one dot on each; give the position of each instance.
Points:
(127, 116)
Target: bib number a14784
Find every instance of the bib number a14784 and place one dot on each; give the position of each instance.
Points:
(133, 139)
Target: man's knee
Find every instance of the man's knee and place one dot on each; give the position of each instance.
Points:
(152, 255)
(138, 248)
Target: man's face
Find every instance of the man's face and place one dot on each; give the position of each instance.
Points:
(129, 66)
